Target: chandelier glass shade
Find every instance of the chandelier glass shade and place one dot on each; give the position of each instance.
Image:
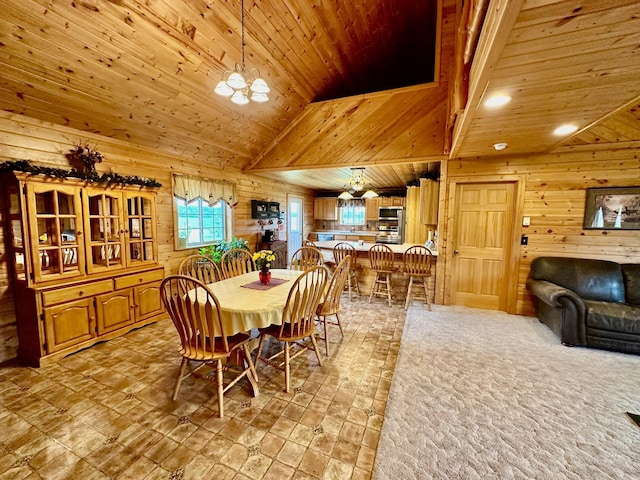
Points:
(356, 184)
(240, 85)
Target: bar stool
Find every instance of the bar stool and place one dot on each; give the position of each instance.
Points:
(340, 251)
(417, 264)
(383, 265)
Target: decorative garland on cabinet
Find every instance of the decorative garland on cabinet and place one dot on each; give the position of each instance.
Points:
(107, 178)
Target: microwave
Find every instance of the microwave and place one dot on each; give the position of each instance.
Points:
(390, 213)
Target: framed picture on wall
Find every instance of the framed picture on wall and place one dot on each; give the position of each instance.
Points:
(612, 208)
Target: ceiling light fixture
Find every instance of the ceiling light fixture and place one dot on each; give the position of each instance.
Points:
(565, 130)
(500, 146)
(357, 184)
(240, 85)
(497, 101)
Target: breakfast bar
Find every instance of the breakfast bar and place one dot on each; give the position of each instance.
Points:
(362, 266)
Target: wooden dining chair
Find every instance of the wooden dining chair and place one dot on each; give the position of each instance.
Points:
(331, 304)
(201, 268)
(305, 258)
(340, 251)
(195, 313)
(309, 243)
(383, 266)
(236, 262)
(417, 263)
(298, 322)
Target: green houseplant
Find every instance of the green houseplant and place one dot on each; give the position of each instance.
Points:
(215, 251)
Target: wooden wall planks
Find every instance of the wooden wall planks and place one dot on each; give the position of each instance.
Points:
(554, 199)
(25, 138)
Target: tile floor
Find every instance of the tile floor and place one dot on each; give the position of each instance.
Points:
(106, 412)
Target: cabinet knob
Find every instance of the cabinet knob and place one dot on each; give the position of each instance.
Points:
(456, 252)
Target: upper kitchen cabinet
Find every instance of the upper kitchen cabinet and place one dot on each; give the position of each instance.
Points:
(372, 205)
(325, 208)
(429, 193)
(391, 201)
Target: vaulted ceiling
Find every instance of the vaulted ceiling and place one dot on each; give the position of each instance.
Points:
(362, 83)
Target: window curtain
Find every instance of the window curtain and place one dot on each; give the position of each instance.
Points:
(189, 188)
(354, 202)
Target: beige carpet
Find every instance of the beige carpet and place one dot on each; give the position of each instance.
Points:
(485, 395)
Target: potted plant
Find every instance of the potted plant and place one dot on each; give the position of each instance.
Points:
(215, 251)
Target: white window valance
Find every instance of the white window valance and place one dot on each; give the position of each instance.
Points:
(189, 188)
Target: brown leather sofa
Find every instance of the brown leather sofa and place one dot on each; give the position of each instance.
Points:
(592, 303)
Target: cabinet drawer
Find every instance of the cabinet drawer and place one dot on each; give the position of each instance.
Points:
(75, 293)
(139, 278)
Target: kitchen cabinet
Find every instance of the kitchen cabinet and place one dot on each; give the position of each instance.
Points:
(416, 231)
(371, 209)
(84, 262)
(325, 208)
(391, 201)
(429, 193)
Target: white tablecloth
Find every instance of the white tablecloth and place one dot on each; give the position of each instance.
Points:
(244, 308)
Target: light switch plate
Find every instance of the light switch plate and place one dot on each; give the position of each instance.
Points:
(526, 221)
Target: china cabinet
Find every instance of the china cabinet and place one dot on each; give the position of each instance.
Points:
(84, 261)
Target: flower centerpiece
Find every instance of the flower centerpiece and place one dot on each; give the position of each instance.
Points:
(263, 260)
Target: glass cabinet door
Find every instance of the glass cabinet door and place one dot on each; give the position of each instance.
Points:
(142, 247)
(16, 233)
(104, 230)
(55, 229)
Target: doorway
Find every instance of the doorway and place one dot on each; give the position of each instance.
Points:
(295, 222)
(483, 244)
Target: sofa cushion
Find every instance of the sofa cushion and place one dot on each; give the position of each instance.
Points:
(631, 276)
(611, 316)
(599, 280)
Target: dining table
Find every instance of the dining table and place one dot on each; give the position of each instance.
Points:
(247, 304)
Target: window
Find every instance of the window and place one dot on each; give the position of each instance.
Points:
(352, 213)
(201, 224)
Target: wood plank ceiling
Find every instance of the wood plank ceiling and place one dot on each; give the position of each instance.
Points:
(348, 87)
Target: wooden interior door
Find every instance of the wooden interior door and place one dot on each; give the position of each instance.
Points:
(482, 233)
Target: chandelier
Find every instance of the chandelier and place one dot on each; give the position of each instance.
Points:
(241, 85)
(356, 184)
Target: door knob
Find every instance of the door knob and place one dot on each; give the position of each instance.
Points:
(456, 252)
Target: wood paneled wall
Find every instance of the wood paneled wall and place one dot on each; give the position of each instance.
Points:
(554, 199)
(25, 138)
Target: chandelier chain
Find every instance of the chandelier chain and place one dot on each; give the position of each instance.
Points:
(242, 6)
(240, 85)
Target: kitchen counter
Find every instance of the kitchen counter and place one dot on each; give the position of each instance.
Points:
(362, 266)
(397, 249)
(360, 233)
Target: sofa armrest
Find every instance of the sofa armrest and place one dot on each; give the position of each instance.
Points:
(565, 311)
(550, 293)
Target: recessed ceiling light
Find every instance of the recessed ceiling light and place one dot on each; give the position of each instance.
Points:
(500, 146)
(497, 101)
(565, 130)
